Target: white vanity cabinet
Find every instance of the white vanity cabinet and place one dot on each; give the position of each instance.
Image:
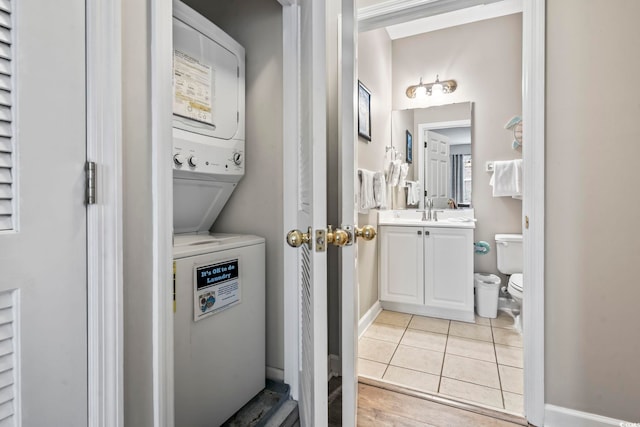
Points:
(427, 271)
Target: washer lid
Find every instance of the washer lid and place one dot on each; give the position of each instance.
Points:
(516, 280)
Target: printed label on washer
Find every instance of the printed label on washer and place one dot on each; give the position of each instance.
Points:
(192, 88)
(216, 286)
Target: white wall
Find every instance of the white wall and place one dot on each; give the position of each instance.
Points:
(256, 205)
(374, 70)
(485, 58)
(592, 344)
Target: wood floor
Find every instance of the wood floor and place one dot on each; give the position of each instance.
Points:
(380, 407)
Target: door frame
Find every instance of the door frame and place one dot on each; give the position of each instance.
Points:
(533, 154)
(104, 219)
(161, 15)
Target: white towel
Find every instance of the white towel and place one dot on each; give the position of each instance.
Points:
(394, 173)
(507, 178)
(402, 180)
(413, 192)
(380, 190)
(367, 199)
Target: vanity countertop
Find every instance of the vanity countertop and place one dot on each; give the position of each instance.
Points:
(448, 218)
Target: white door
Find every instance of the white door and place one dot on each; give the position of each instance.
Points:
(437, 164)
(43, 309)
(309, 172)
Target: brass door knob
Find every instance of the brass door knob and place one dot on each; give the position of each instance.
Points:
(367, 232)
(338, 237)
(296, 238)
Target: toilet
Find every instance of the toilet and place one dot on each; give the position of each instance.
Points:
(509, 255)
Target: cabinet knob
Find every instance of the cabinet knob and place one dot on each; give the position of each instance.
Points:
(419, 232)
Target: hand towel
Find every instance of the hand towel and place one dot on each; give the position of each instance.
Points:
(367, 199)
(507, 178)
(394, 173)
(402, 180)
(380, 190)
(413, 192)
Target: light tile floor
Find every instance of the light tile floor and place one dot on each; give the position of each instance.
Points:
(479, 362)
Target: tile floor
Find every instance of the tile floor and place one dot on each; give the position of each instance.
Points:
(480, 363)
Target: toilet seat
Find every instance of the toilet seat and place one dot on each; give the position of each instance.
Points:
(515, 286)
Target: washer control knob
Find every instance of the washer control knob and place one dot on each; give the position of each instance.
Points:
(237, 158)
(193, 161)
(178, 159)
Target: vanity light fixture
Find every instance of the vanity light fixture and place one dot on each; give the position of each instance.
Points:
(437, 87)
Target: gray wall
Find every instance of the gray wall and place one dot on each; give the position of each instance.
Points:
(256, 205)
(374, 70)
(592, 344)
(485, 58)
(138, 239)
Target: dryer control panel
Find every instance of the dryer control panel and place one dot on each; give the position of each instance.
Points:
(208, 156)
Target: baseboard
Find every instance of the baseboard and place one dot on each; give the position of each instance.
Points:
(334, 367)
(275, 374)
(368, 318)
(557, 416)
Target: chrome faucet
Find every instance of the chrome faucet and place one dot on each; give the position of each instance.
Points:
(429, 205)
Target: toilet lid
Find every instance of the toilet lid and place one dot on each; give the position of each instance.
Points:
(516, 281)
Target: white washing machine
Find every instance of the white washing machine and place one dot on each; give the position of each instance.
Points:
(219, 326)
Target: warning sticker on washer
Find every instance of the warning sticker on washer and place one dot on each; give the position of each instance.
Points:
(193, 92)
(217, 286)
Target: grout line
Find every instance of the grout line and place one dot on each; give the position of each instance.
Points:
(497, 368)
(480, 385)
(444, 356)
(396, 349)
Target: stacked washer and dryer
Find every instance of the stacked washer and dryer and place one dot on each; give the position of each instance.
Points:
(219, 279)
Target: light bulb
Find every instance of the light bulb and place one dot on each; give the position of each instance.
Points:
(421, 92)
(436, 89)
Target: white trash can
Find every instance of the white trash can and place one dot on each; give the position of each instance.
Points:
(487, 287)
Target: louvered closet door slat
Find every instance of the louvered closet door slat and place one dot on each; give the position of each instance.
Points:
(5, 66)
(5, 98)
(6, 315)
(5, 51)
(5, 145)
(5, 129)
(5, 160)
(6, 331)
(5, 114)
(6, 363)
(5, 5)
(6, 347)
(6, 394)
(5, 176)
(5, 222)
(5, 193)
(5, 207)
(5, 82)
(5, 19)
(5, 35)
(6, 378)
(6, 409)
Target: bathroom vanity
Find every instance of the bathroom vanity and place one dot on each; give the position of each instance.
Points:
(426, 267)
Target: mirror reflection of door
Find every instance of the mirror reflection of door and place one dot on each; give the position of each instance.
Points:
(437, 176)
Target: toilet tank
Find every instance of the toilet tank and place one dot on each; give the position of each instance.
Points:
(509, 253)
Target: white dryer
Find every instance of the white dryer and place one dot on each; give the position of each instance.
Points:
(219, 326)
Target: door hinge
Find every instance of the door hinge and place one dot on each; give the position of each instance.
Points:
(425, 145)
(237, 116)
(425, 193)
(90, 185)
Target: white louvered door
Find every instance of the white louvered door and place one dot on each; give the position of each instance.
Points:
(43, 309)
(312, 206)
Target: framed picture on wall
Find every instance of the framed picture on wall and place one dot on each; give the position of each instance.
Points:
(409, 147)
(364, 111)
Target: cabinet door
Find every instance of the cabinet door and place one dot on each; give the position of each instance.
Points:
(401, 257)
(448, 270)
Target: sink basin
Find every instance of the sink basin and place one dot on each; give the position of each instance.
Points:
(448, 218)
